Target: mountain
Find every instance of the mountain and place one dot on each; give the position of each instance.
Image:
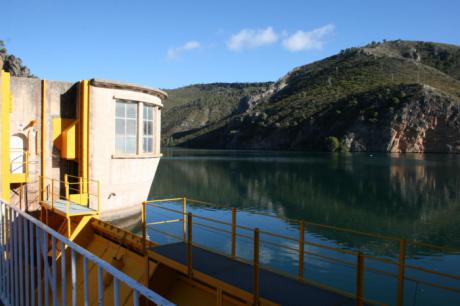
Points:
(393, 96)
(189, 110)
(12, 64)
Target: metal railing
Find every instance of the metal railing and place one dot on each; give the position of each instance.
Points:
(20, 163)
(396, 269)
(86, 193)
(29, 275)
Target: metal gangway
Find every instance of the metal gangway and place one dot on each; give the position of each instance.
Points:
(29, 272)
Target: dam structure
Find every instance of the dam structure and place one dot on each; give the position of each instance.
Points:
(89, 129)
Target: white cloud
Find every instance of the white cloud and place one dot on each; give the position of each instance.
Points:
(251, 38)
(301, 40)
(175, 53)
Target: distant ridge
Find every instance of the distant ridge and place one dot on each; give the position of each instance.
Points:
(390, 96)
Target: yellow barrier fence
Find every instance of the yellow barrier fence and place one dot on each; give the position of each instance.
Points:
(53, 190)
(234, 230)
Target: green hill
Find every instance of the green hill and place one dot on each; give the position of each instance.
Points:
(336, 100)
(190, 108)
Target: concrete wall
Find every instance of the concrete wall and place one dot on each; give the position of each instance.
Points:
(27, 102)
(26, 94)
(125, 179)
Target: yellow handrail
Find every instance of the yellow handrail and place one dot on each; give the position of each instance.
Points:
(95, 195)
(400, 275)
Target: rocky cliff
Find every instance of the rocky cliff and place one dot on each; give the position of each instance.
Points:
(397, 96)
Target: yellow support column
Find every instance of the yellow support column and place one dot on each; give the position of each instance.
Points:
(5, 100)
(43, 140)
(84, 134)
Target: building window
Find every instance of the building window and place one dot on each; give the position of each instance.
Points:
(126, 127)
(147, 138)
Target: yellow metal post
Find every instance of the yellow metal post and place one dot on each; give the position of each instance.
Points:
(233, 231)
(69, 226)
(27, 165)
(301, 248)
(98, 197)
(5, 99)
(66, 183)
(52, 194)
(189, 245)
(80, 187)
(144, 243)
(256, 271)
(218, 297)
(360, 280)
(402, 259)
(43, 138)
(184, 217)
(84, 132)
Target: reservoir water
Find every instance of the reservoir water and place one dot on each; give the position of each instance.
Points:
(410, 196)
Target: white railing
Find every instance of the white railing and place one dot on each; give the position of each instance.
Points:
(29, 276)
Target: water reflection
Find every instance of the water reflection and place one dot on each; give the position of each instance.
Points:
(413, 196)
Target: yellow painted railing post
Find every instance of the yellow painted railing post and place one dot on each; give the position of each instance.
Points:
(144, 243)
(218, 296)
(40, 189)
(360, 280)
(69, 226)
(144, 226)
(80, 187)
(66, 183)
(402, 259)
(184, 217)
(52, 194)
(233, 231)
(256, 271)
(189, 246)
(27, 165)
(301, 248)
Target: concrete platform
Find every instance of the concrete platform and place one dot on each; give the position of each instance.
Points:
(274, 287)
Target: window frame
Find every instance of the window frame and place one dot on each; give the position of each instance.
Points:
(126, 119)
(149, 120)
(140, 136)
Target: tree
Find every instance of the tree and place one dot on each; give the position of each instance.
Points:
(332, 144)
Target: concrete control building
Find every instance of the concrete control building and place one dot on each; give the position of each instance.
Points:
(94, 142)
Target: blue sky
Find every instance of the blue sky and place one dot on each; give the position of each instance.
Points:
(174, 43)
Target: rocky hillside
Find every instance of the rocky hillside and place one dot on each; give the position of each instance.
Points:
(12, 64)
(189, 109)
(397, 96)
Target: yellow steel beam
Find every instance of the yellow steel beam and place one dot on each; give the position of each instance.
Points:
(43, 138)
(84, 132)
(5, 133)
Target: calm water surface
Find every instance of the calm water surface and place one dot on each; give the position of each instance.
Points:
(412, 196)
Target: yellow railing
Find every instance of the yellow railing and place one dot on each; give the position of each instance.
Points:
(20, 162)
(53, 189)
(234, 230)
